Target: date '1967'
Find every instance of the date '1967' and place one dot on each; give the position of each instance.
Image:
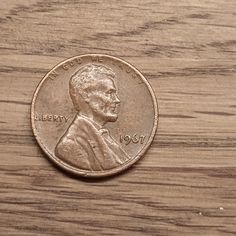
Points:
(127, 139)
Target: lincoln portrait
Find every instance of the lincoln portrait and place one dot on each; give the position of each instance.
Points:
(87, 144)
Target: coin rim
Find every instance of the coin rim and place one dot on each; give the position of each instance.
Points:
(104, 173)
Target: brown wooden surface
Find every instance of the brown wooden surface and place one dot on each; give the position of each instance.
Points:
(185, 184)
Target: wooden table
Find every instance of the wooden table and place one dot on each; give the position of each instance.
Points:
(185, 184)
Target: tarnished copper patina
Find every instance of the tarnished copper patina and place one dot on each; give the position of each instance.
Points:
(94, 115)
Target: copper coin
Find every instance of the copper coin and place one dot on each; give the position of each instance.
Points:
(94, 115)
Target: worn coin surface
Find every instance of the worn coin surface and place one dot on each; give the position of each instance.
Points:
(94, 115)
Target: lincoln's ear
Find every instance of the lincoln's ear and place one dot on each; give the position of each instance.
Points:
(84, 95)
(86, 100)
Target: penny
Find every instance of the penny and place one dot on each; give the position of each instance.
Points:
(94, 115)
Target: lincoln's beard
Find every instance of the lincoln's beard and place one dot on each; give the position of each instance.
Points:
(106, 115)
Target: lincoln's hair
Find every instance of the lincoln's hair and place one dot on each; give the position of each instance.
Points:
(85, 80)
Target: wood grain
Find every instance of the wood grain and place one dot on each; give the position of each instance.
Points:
(185, 184)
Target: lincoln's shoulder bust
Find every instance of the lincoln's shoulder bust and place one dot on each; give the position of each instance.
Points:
(86, 144)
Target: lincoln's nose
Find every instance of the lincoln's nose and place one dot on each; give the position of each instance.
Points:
(117, 100)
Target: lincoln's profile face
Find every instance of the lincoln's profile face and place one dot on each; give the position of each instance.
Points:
(94, 93)
(104, 101)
